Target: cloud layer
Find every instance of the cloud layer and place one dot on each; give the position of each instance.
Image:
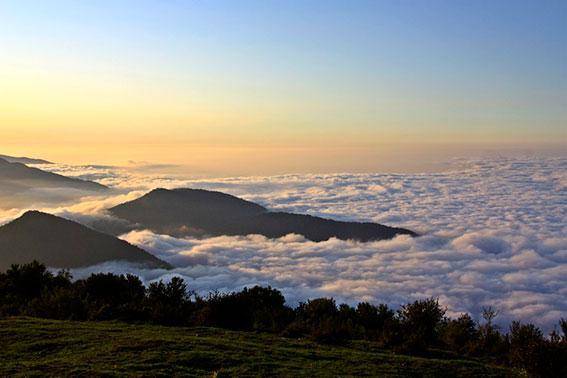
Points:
(494, 234)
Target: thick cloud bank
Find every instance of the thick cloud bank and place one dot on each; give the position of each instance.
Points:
(493, 234)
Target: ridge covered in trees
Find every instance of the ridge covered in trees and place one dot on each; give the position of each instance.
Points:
(419, 328)
(62, 243)
(197, 212)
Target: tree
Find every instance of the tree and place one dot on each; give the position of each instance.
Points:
(169, 303)
(491, 342)
(420, 321)
(110, 296)
(460, 334)
(378, 322)
(526, 343)
(257, 308)
(321, 320)
(563, 326)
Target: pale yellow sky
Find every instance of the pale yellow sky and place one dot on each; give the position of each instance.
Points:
(78, 119)
(257, 159)
(222, 91)
(81, 120)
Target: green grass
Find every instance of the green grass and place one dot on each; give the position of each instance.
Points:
(40, 347)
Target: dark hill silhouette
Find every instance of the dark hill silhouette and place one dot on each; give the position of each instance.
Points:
(19, 174)
(183, 212)
(24, 160)
(61, 243)
(21, 185)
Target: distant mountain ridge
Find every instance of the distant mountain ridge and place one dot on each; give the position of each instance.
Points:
(23, 160)
(22, 186)
(34, 177)
(61, 243)
(184, 212)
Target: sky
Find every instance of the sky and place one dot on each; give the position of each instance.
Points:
(267, 87)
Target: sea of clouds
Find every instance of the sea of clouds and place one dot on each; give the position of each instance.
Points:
(493, 234)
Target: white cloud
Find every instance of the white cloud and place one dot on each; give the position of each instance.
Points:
(494, 234)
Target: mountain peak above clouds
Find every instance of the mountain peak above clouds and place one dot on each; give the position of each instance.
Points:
(23, 160)
(23, 187)
(197, 212)
(61, 243)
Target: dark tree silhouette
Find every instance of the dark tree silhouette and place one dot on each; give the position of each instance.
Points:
(418, 327)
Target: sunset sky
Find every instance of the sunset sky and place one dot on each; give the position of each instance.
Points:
(254, 87)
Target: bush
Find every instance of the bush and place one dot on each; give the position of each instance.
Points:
(460, 335)
(108, 296)
(378, 322)
(321, 320)
(420, 322)
(59, 303)
(169, 303)
(491, 343)
(525, 342)
(22, 285)
(538, 356)
(31, 289)
(255, 309)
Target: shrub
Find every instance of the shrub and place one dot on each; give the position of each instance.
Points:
(109, 296)
(169, 303)
(420, 323)
(540, 357)
(461, 334)
(258, 309)
(22, 285)
(491, 343)
(31, 289)
(322, 321)
(378, 322)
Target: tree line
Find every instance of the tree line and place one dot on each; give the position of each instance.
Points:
(420, 327)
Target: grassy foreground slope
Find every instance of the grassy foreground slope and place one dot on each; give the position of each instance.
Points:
(30, 346)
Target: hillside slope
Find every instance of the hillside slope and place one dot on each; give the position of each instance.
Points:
(24, 176)
(24, 160)
(182, 212)
(31, 346)
(23, 186)
(61, 243)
